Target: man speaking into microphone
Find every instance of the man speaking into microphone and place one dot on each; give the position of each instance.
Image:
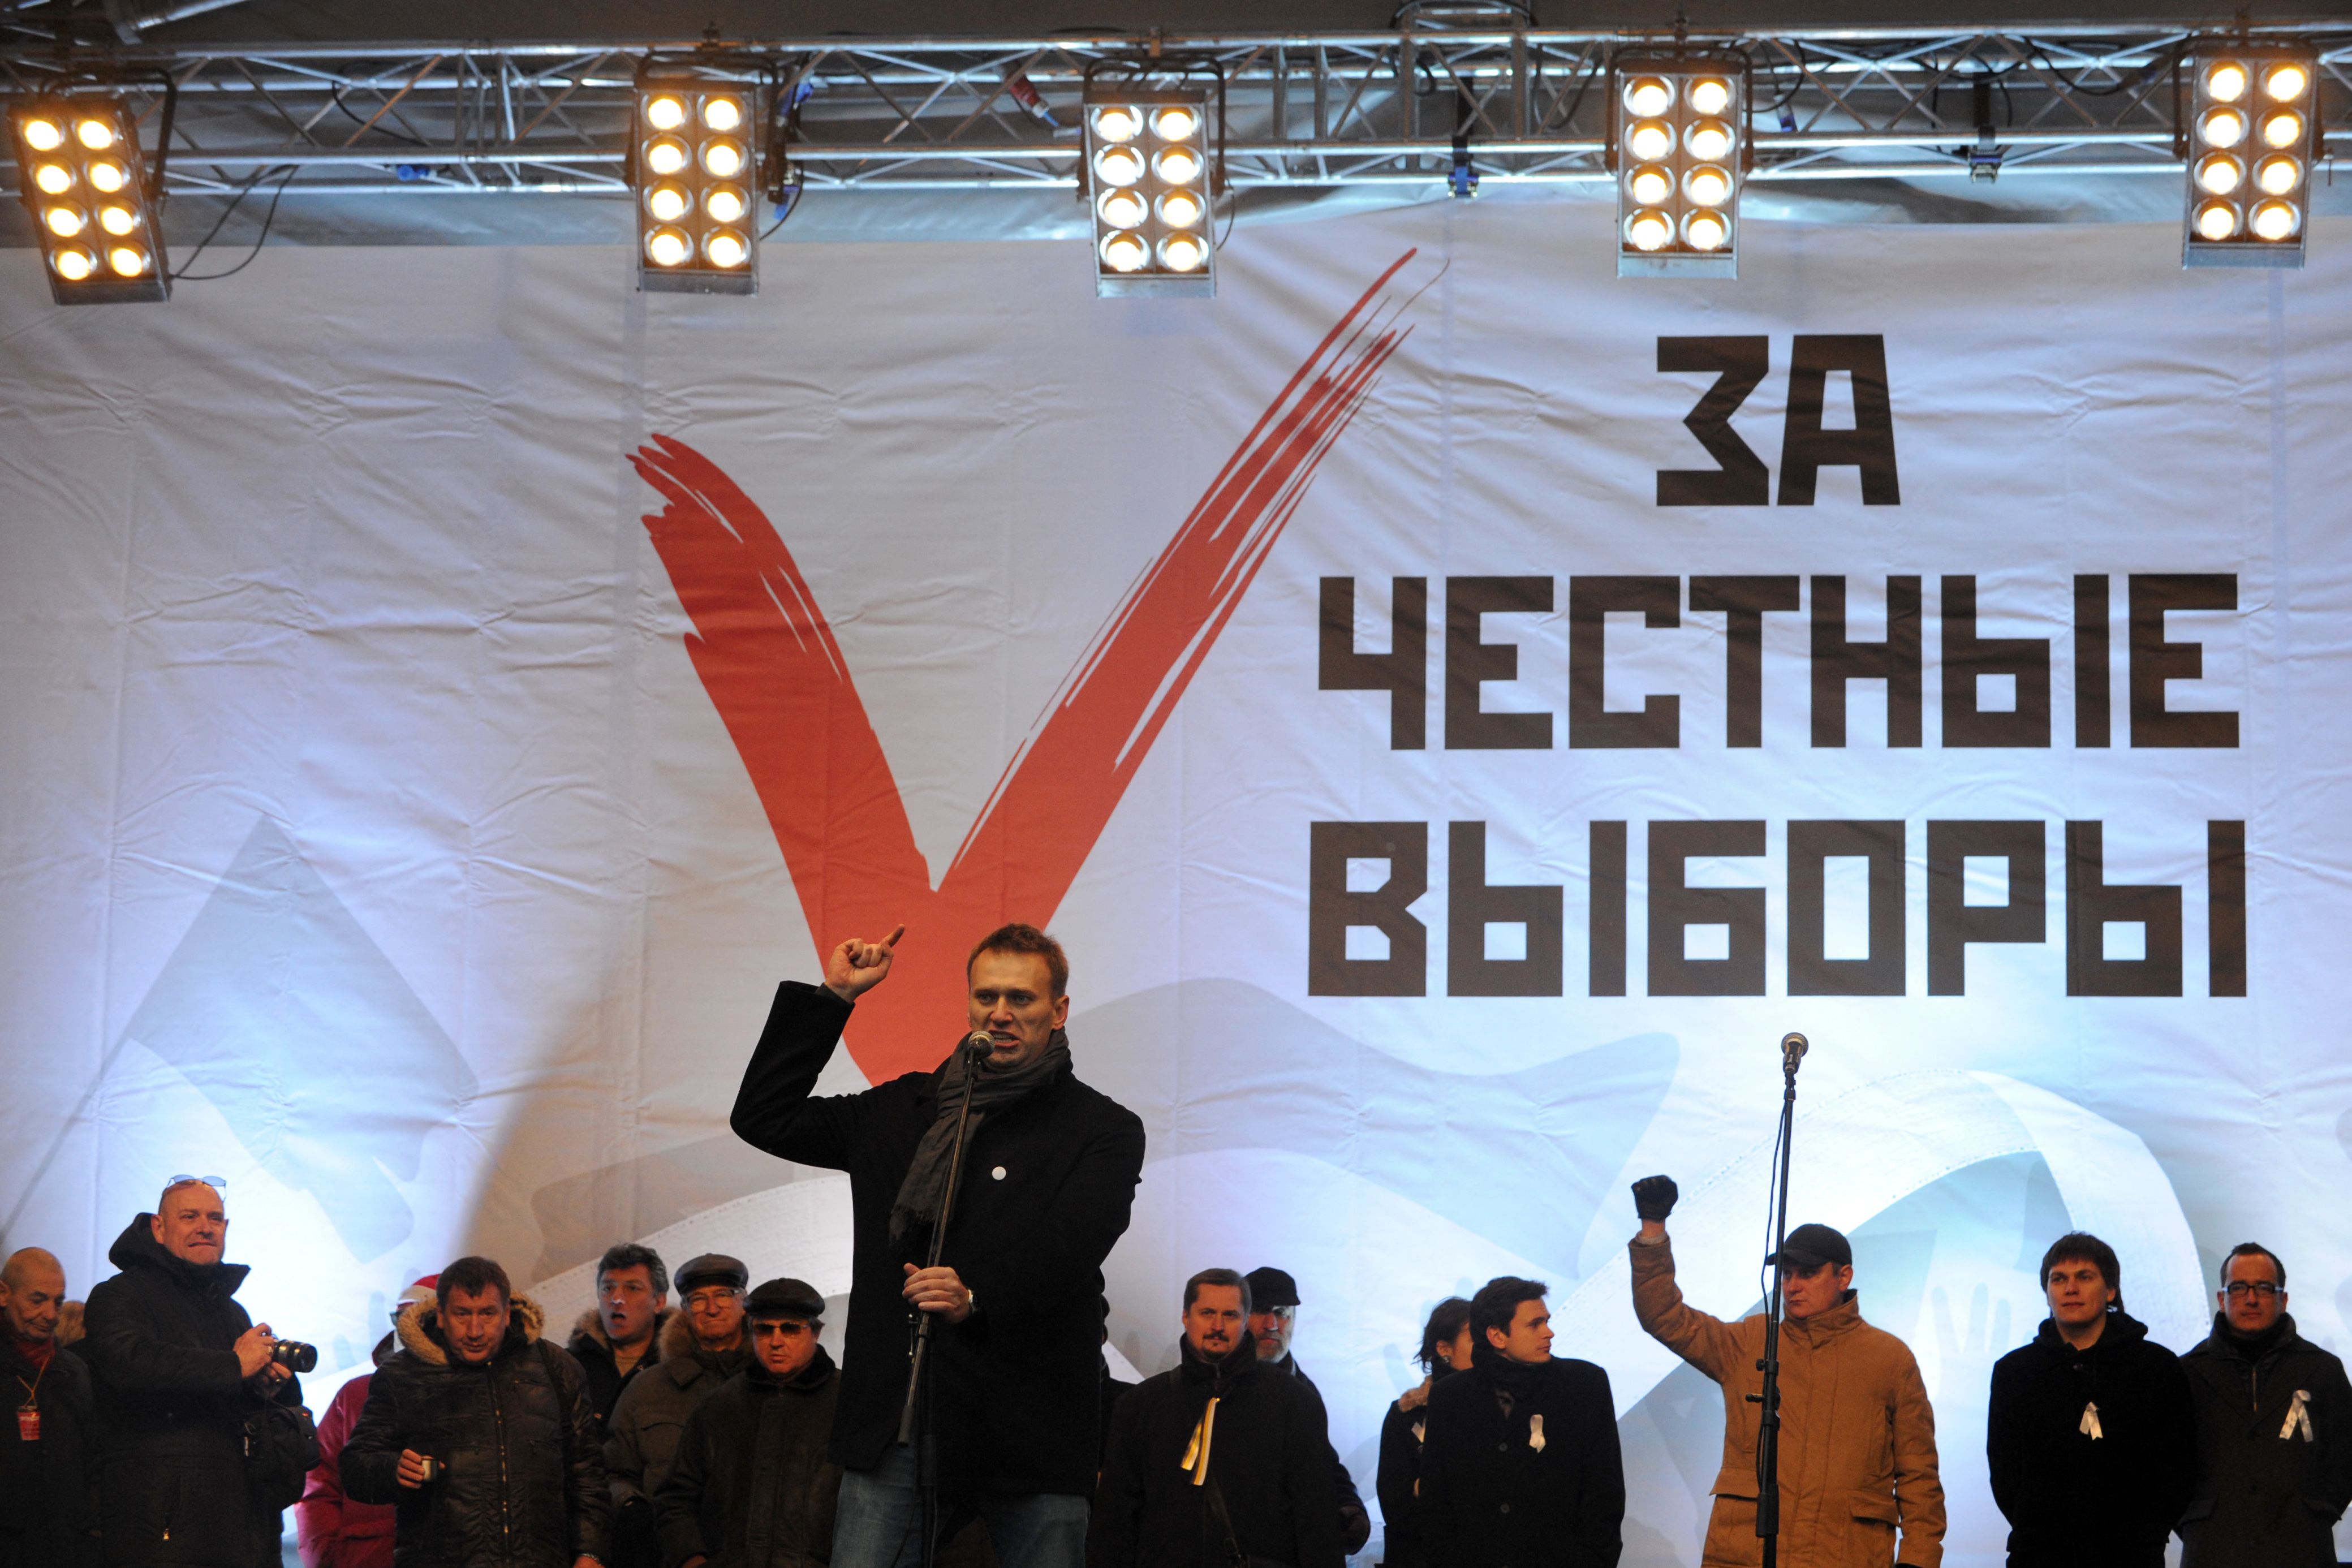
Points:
(1047, 1178)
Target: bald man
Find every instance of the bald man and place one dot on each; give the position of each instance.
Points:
(48, 1454)
(179, 1364)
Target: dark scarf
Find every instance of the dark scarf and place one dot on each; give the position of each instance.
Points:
(1512, 1381)
(924, 1192)
(1217, 1374)
(2253, 1347)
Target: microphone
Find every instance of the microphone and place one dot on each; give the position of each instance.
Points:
(1793, 1046)
(979, 1043)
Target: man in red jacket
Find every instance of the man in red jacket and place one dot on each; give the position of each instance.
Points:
(335, 1531)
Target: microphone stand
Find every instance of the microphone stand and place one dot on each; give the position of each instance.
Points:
(927, 1475)
(1768, 1432)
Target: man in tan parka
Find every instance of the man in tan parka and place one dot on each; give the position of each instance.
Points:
(1858, 1482)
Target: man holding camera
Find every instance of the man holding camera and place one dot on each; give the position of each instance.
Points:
(180, 1371)
(480, 1435)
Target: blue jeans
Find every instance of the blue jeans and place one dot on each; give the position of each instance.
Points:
(878, 1521)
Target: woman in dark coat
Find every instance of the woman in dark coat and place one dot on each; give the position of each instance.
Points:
(1444, 1350)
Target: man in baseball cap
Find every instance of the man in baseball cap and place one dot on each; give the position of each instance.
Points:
(1858, 1477)
(702, 1345)
(1273, 1314)
(757, 1446)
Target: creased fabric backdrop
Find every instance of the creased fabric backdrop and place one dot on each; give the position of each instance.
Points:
(442, 690)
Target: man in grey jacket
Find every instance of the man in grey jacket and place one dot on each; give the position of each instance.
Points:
(701, 1347)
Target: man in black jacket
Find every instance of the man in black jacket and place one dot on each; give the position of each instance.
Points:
(2273, 1449)
(480, 1433)
(1520, 1467)
(1273, 1318)
(703, 1344)
(1050, 1172)
(625, 1332)
(2090, 1435)
(48, 1454)
(1220, 1461)
(178, 1365)
(750, 1487)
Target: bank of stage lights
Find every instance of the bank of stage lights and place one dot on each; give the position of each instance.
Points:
(2253, 131)
(1678, 145)
(696, 162)
(82, 177)
(1149, 184)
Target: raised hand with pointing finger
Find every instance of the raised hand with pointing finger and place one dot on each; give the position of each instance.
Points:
(857, 967)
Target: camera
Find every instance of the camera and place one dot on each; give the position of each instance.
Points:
(294, 1355)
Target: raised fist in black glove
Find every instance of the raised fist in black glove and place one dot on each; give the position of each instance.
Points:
(1654, 1197)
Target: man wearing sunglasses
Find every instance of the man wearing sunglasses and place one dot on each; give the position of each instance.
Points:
(2274, 1430)
(1859, 1482)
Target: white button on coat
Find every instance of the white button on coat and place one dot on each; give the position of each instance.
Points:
(998, 1173)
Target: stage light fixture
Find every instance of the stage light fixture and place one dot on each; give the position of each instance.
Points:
(1679, 154)
(1150, 187)
(84, 183)
(2250, 144)
(696, 157)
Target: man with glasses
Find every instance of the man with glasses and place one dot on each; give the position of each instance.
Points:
(2273, 1449)
(1858, 1478)
(751, 1486)
(178, 1367)
(701, 1347)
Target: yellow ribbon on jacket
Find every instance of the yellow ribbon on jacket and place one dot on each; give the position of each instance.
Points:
(1196, 1453)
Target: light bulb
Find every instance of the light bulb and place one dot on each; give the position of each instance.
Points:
(64, 222)
(1648, 96)
(108, 175)
(666, 203)
(54, 179)
(95, 134)
(2218, 173)
(1707, 231)
(669, 247)
(1124, 253)
(117, 219)
(2226, 82)
(43, 135)
(2277, 175)
(664, 155)
(727, 203)
(1710, 185)
(1179, 167)
(727, 248)
(1118, 166)
(1120, 209)
(1118, 123)
(1710, 95)
(2286, 80)
(1650, 140)
(74, 263)
(1709, 141)
(2221, 127)
(722, 113)
(1648, 230)
(666, 113)
(2276, 220)
(723, 157)
(1175, 124)
(1180, 209)
(2282, 127)
(127, 260)
(1650, 185)
(1182, 253)
(2216, 220)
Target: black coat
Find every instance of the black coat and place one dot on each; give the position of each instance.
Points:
(522, 1475)
(606, 1381)
(750, 1487)
(2269, 1487)
(1399, 1484)
(49, 1488)
(171, 1409)
(1016, 1385)
(1491, 1499)
(2078, 1501)
(1355, 1524)
(1269, 1458)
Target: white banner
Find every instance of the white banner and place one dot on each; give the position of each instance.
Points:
(1458, 709)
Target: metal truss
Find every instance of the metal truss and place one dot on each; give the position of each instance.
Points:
(1455, 87)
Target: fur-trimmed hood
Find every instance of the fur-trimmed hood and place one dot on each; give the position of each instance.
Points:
(419, 1328)
(590, 1327)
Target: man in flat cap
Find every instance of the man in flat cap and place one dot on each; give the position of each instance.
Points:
(1858, 1479)
(1273, 1315)
(751, 1486)
(701, 1347)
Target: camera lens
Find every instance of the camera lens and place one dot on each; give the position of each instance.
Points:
(294, 1355)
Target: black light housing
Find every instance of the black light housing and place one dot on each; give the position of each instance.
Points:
(82, 177)
(1150, 187)
(694, 168)
(2250, 141)
(1678, 146)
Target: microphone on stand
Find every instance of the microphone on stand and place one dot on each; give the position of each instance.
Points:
(978, 1044)
(1793, 1046)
